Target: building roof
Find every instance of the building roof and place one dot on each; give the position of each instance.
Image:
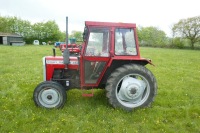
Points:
(9, 34)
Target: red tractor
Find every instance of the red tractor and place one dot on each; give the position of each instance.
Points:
(109, 59)
(72, 47)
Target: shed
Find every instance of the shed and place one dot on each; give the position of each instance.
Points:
(11, 39)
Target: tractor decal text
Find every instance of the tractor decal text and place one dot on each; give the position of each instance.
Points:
(60, 62)
(73, 62)
(54, 62)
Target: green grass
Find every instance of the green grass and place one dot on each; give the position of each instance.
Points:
(176, 107)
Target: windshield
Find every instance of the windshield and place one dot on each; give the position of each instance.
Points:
(98, 43)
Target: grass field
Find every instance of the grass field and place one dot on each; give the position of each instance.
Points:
(176, 107)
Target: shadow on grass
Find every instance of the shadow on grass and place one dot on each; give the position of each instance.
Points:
(75, 99)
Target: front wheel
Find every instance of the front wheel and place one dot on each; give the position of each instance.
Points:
(49, 94)
(131, 86)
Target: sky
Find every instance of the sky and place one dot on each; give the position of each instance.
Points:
(158, 13)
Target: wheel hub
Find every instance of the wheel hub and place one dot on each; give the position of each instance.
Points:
(131, 90)
(49, 97)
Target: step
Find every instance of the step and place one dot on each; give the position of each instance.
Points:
(87, 94)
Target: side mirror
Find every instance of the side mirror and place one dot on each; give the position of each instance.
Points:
(85, 34)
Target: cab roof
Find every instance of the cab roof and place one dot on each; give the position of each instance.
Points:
(110, 24)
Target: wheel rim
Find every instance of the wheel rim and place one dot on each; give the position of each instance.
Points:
(132, 90)
(49, 97)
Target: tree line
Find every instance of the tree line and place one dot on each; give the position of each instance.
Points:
(43, 31)
(185, 33)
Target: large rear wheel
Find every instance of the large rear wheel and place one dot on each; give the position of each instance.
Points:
(131, 86)
(49, 94)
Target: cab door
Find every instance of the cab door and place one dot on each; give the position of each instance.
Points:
(95, 56)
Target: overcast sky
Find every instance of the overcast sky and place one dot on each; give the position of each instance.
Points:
(158, 13)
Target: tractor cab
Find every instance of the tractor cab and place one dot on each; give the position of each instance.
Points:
(107, 46)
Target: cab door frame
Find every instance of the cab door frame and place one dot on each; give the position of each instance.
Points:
(94, 59)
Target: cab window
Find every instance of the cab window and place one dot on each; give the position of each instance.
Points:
(125, 42)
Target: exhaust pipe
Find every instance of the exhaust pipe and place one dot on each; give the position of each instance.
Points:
(66, 51)
(66, 31)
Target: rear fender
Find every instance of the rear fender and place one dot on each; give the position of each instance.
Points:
(146, 61)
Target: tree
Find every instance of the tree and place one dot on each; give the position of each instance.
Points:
(14, 25)
(188, 28)
(63, 36)
(76, 34)
(4, 24)
(51, 30)
(151, 36)
(43, 31)
(48, 31)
